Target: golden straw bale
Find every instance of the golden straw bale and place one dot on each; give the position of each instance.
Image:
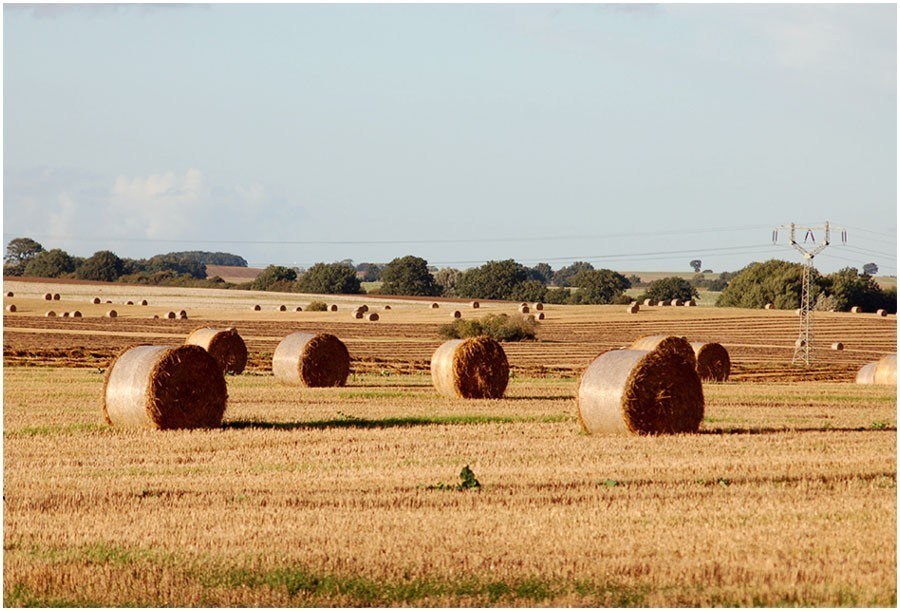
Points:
(112, 314)
(456, 314)
(633, 308)
(640, 392)
(474, 368)
(11, 307)
(48, 297)
(769, 306)
(162, 387)
(539, 306)
(671, 343)
(298, 309)
(129, 303)
(332, 307)
(76, 314)
(886, 370)
(881, 312)
(225, 345)
(182, 315)
(798, 312)
(837, 346)
(9, 293)
(662, 302)
(474, 305)
(171, 315)
(64, 314)
(95, 300)
(364, 308)
(648, 302)
(866, 374)
(357, 313)
(56, 297)
(282, 308)
(257, 308)
(50, 314)
(434, 306)
(387, 307)
(144, 302)
(372, 316)
(155, 316)
(799, 342)
(109, 301)
(690, 303)
(305, 359)
(540, 316)
(524, 309)
(713, 361)
(855, 310)
(675, 302)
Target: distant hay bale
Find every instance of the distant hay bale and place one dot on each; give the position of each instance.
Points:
(799, 342)
(64, 314)
(855, 310)
(225, 345)
(372, 316)
(9, 294)
(50, 314)
(690, 303)
(648, 302)
(540, 316)
(539, 306)
(155, 316)
(713, 361)
(171, 315)
(675, 302)
(162, 387)
(881, 312)
(332, 307)
(298, 309)
(633, 308)
(144, 302)
(666, 343)
(112, 314)
(524, 309)
(95, 300)
(662, 302)
(364, 308)
(886, 370)
(456, 314)
(56, 297)
(282, 308)
(109, 301)
(640, 392)
(837, 346)
(76, 314)
(435, 306)
(11, 307)
(474, 368)
(129, 303)
(474, 305)
(257, 308)
(769, 306)
(866, 374)
(387, 307)
(48, 297)
(798, 312)
(357, 313)
(182, 315)
(305, 359)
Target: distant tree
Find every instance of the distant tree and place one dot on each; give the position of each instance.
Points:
(599, 286)
(698, 280)
(18, 252)
(209, 258)
(408, 275)
(557, 296)
(870, 269)
(191, 266)
(666, 289)
(773, 281)
(696, 264)
(634, 280)
(271, 276)
(371, 271)
(493, 280)
(446, 278)
(847, 288)
(330, 278)
(541, 272)
(717, 285)
(530, 290)
(564, 275)
(103, 265)
(53, 263)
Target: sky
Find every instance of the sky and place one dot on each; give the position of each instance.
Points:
(635, 137)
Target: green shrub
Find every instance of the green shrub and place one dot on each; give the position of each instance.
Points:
(666, 289)
(500, 327)
(317, 306)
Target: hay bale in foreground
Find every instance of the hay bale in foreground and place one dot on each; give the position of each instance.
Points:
(633, 308)
(372, 316)
(881, 312)
(112, 314)
(305, 359)
(95, 300)
(474, 305)
(50, 314)
(474, 368)
(225, 345)
(456, 314)
(162, 387)
(667, 343)
(11, 307)
(856, 310)
(866, 374)
(886, 370)
(713, 361)
(837, 346)
(640, 392)
(48, 297)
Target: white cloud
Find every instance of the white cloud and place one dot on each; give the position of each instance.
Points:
(160, 205)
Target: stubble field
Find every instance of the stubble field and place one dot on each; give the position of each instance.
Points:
(345, 496)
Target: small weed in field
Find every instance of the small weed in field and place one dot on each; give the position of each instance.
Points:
(467, 478)
(610, 483)
(879, 425)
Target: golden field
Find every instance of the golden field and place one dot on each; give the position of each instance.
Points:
(333, 496)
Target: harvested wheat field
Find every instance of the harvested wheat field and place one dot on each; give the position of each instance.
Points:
(352, 495)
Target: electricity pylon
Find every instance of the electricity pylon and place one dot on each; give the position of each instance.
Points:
(803, 347)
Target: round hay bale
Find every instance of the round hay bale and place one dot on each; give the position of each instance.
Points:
(799, 342)
(675, 302)
(357, 313)
(633, 308)
(48, 297)
(305, 359)
(798, 312)
(182, 315)
(662, 302)
(9, 294)
(456, 314)
(648, 302)
(257, 308)
(50, 314)
(474, 305)
(112, 314)
(56, 297)
(524, 309)
(364, 308)
(225, 345)
(144, 302)
(332, 307)
(690, 303)
(886, 370)
(881, 312)
(474, 368)
(11, 307)
(76, 314)
(171, 315)
(298, 309)
(282, 308)
(769, 306)
(640, 392)
(64, 315)
(540, 316)
(155, 316)
(372, 316)
(129, 303)
(161, 387)
(866, 374)
(837, 346)
(95, 300)
(856, 310)
(713, 361)
(539, 306)
(666, 343)
(435, 306)
(387, 307)
(109, 301)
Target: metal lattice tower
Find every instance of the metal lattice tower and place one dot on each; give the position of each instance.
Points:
(803, 347)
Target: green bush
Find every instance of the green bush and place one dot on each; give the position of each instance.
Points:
(408, 276)
(598, 286)
(330, 278)
(493, 280)
(500, 327)
(666, 289)
(557, 296)
(774, 281)
(317, 306)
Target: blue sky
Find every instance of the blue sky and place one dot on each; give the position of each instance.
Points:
(634, 136)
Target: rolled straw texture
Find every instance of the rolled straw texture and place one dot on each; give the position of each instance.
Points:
(837, 346)
(11, 307)
(866, 374)
(633, 308)
(372, 316)
(474, 368)
(305, 359)
(648, 302)
(713, 361)
(162, 387)
(225, 345)
(640, 392)
(886, 370)
(671, 343)
(855, 310)
(475, 305)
